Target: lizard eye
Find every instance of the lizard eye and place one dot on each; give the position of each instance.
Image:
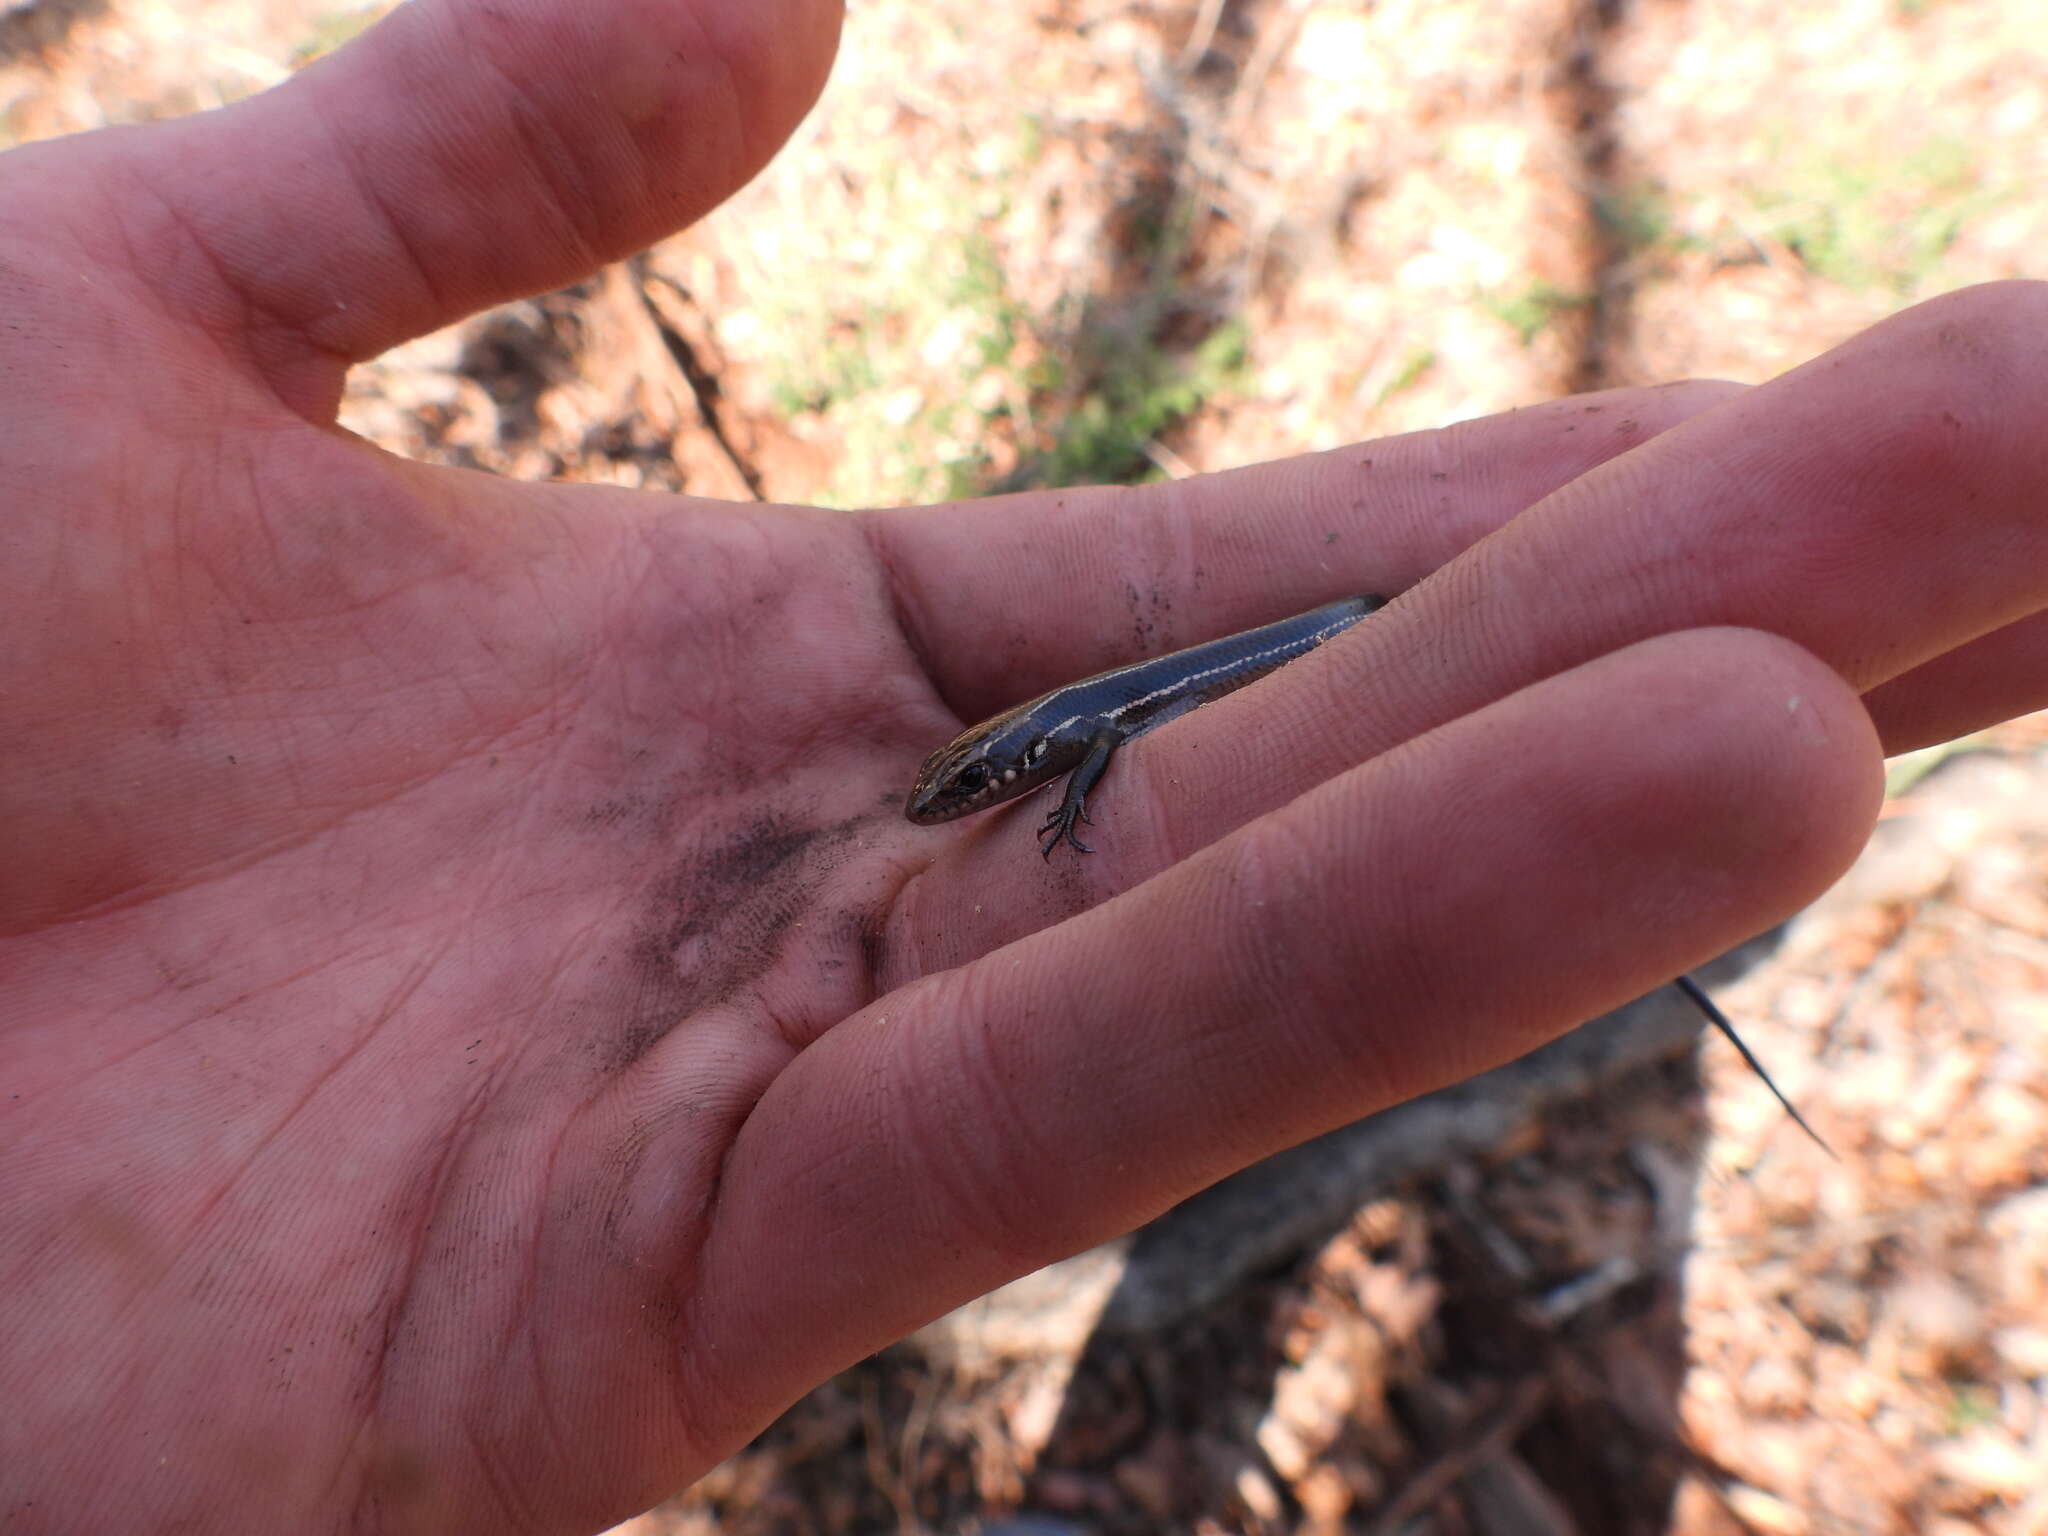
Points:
(972, 779)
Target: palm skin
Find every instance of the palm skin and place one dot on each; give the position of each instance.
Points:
(478, 1035)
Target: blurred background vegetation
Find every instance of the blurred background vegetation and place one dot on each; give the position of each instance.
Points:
(1082, 241)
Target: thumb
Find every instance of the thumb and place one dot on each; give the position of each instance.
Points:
(459, 153)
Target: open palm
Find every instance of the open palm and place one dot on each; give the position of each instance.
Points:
(477, 1035)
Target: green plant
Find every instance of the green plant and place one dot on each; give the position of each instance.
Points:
(1138, 391)
(1417, 363)
(1874, 222)
(1526, 313)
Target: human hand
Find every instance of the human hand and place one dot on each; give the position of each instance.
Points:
(478, 1036)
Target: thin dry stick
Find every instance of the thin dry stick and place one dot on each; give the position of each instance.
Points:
(1479, 1444)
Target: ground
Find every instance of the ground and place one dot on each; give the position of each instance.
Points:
(1083, 241)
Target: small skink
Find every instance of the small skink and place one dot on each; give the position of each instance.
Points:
(1076, 730)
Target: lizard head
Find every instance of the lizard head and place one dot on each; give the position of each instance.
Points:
(983, 766)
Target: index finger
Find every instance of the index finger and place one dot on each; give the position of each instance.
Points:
(1007, 597)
